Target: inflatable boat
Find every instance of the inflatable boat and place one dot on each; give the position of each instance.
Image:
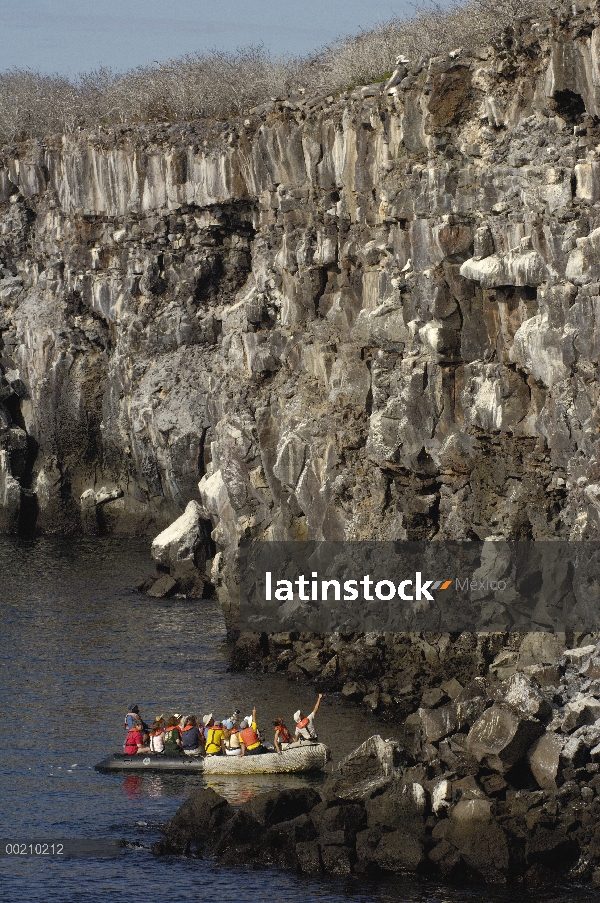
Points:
(296, 758)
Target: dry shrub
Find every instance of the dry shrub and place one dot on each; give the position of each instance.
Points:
(219, 84)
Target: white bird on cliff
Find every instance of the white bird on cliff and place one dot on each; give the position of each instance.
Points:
(398, 74)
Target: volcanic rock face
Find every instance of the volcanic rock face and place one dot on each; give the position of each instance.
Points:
(364, 316)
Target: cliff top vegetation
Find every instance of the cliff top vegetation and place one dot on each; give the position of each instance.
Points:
(222, 85)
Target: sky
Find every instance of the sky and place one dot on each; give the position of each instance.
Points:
(72, 36)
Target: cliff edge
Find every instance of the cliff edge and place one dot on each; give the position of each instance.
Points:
(370, 315)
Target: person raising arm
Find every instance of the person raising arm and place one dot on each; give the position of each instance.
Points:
(305, 726)
(249, 739)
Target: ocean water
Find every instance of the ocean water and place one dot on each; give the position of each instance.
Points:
(79, 647)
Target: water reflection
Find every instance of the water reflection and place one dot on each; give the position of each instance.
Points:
(132, 786)
(237, 789)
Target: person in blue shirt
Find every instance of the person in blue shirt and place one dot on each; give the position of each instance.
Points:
(131, 717)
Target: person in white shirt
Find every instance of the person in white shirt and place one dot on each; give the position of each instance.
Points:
(305, 725)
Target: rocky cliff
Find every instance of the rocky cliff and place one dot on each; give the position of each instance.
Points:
(369, 315)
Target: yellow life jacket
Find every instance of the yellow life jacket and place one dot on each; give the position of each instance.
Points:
(213, 741)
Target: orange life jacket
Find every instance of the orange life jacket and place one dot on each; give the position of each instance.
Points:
(188, 728)
(302, 723)
(249, 738)
(284, 734)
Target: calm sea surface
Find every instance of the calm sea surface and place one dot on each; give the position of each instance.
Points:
(78, 648)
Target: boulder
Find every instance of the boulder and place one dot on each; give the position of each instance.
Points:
(336, 857)
(471, 810)
(347, 816)
(434, 697)
(373, 758)
(493, 784)
(467, 711)
(197, 821)
(467, 788)
(591, 670)
(580, 711)
(445, 857)
(578, 658)
(352, 690)
(309, 861)
(438, 723)
(501, 736)
(162, 588)
(182, 548)
(544, 760)
(451, 687)
(441, 796)
(238, 839)
(545, 675)
(277, 806)
(399, 802)
(539, 649)
(479, 841)
(522, 692)
(181, 538)
(366, 844)
(399, 851)
(455, 756)
(574, 753)
(504, 664)
(249, 648)
(552, 847)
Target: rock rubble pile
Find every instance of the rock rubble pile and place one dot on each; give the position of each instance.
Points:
(496, 781)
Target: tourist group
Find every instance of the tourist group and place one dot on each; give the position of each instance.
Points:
(178, 735)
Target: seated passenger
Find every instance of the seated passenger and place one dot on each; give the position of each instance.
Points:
(213, 734)
(157, 735)
(231, 738)
(132, 715)
(305, 726)
(190, 737)
(249, 739)
(180, 721)
(282, 737)
(134, 742)
(172, 738)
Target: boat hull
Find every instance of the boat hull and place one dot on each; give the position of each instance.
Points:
(296, 759)
(119, 762)
(308, 757)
